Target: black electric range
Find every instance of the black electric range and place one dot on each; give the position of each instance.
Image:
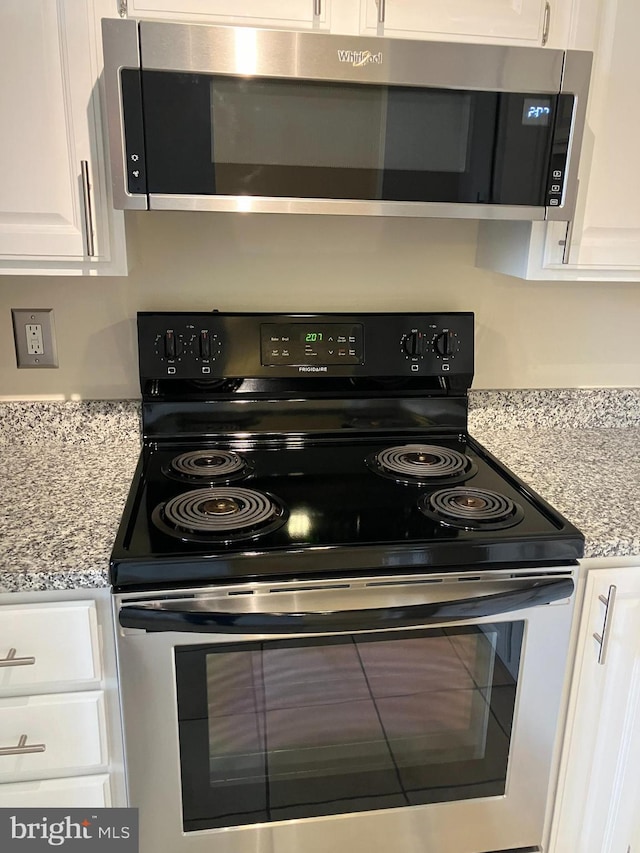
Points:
(305, 446)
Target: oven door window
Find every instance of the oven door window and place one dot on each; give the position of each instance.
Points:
(230, 136)
(300, 728)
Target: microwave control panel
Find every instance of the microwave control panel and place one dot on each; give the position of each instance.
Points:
(223, 346)
(560, 150)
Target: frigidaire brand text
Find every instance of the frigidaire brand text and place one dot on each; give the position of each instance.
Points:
(358, 58)
(305, 369)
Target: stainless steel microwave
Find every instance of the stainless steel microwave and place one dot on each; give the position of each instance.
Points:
(236, 118)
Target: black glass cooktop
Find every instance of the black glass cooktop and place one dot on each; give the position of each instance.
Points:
(289, 507)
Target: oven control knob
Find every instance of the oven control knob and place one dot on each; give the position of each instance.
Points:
(205, 344)
(413, 344)
(173, 345)
(446, 344)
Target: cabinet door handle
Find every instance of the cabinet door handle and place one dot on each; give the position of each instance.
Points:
(566, 243)
(546, 23)
(382, 10)
(88, 215)
(317, 8)
(22, 748)
(603, 639)
(12, 660)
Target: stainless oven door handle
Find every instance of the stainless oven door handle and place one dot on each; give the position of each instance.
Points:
(174, 617)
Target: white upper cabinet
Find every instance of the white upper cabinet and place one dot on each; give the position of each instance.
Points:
(521, 21)
(296, 14)
(603, 241)
(497, 21)
(606, 233)
(55, 215)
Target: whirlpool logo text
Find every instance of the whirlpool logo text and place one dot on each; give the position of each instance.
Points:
(358, 58)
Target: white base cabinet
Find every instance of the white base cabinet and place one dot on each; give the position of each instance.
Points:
(56, 215)
(60, 733)
(598, 801)
(602, 243)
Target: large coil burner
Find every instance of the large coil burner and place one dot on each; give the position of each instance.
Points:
(207, 466)
(225, 514)
(422, 464)
(471, 509)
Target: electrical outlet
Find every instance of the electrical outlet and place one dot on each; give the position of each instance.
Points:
(34, 336)
(35, 345)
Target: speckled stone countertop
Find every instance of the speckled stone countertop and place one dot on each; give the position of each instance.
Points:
(66, 470)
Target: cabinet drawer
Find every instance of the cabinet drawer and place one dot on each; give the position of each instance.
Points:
(47, 644)
(78, 792)
(70, 726)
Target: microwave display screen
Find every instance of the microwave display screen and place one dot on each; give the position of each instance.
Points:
(536, 111)
(210, 134)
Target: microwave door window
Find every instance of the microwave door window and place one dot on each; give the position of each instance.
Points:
(282, 138)
(230, 136)
(439, 146)
(303, 728)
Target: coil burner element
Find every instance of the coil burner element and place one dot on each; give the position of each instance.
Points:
(208, 466)
(422, 464)
(224, 514)
(471, 509)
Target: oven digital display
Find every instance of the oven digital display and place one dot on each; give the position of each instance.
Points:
(308, 344)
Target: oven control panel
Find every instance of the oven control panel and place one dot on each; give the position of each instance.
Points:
(221, 346)
(293, 344)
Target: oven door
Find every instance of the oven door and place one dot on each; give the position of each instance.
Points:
(224, 118)
(404, 714)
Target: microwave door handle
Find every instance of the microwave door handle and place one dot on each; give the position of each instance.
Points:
(156, 617)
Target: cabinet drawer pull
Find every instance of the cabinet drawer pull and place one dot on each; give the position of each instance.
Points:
(317, 8)
(12, 660)
(22, 748)
(603, 639)
(546, 23)
(382, 10)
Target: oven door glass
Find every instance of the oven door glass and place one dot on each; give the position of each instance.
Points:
(251, 136)
(300, 728)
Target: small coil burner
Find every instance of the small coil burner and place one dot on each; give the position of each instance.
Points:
(207, 466)
(220, 515)
(420, 464)
(471, 509)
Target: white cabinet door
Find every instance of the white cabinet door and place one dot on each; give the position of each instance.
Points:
(276, 13)
(67, 732)
(510, 20)
(48, 644)
(597, 808)
(77, 792)
(49, 219)
(604, 237)
(606, 232)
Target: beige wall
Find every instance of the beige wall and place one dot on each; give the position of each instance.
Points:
(529, 334)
